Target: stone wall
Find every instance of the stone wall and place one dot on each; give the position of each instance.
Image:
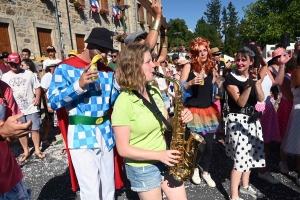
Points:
(25, 16)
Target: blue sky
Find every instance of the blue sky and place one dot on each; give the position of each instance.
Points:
(192, 10)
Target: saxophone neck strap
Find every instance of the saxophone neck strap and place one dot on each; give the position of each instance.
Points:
(153, 107)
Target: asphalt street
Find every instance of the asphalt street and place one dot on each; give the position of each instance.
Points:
(49, 178)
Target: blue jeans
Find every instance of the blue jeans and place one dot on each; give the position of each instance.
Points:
(19, 192)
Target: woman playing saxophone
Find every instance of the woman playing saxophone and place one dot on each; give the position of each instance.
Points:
(140, 133)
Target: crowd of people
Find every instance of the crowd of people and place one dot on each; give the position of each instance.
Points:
(121, 114)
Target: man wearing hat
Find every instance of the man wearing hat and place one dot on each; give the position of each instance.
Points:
(51, 53)
(216, 53)
(27, 93)
(87, 97)
(4, 67)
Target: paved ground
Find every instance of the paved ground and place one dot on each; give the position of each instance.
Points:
(49, 178)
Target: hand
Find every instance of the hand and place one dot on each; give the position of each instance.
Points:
(157, 9)
(169, 157)
(50, 110)
(13, 128)
(284, 59)
(36, 101)
(86, 76)
(252, 76)
(197, 80)
(186, 115)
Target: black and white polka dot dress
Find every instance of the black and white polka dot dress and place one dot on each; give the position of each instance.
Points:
(244, 142)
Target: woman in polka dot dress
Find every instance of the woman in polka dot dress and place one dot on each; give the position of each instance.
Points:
(244, 142)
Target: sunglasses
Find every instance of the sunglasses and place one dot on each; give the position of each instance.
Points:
(187, 57)
(113, 56)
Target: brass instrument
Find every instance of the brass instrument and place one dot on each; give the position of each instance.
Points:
(188, 149)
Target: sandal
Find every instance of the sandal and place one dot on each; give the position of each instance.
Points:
(40, 155)
(23, 158)
(63, 152)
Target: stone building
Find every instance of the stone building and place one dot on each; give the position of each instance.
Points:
(32, 24)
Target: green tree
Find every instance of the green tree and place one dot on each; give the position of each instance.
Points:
(230, 29)
(203, 29)
(183, 38)
(212, 14)
(266, 20)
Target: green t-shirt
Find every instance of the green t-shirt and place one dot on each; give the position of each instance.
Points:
(146, 131)
(112, 65)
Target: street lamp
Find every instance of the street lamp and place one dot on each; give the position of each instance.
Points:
(177, 33)
(123, 8)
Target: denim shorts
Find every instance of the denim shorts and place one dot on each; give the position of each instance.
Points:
(35, 118)
(146, 178)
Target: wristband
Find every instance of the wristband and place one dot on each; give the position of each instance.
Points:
(156, 25)
(165, 42)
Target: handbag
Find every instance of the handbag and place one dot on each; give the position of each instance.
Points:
(153, 107)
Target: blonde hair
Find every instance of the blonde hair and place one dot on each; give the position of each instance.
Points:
(130, 73)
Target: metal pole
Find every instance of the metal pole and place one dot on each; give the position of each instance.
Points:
(68, 15)
(136, 24)
(58, 26)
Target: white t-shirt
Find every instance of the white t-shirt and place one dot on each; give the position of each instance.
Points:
(49, 62)
(23, 85)
(46, 80)
(162, 85)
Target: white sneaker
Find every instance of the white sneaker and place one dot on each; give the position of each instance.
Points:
(284, 167)
(196, 177)
(249, 190)
(236, 198)
(268, 177)
(208, 180)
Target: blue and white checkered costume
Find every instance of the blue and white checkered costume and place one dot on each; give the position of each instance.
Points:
(93, 101)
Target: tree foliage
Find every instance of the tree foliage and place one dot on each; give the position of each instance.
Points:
(203, 29)
(212, 14)
(183, 38)
(230, 29)
(266, 20)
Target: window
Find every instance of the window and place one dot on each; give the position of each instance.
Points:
(140, 12)
(44, 36)
(104, 4)
(4, 39)
(80, 43)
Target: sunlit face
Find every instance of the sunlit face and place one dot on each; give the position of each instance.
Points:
(242, 62)
(203, 53)
(148, 67)
(51, 54)
(24, 66)
(25, 55)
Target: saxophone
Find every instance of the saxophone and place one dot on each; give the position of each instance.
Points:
(184, 169)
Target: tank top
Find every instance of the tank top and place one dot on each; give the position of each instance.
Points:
(201, 94)
(266, 86)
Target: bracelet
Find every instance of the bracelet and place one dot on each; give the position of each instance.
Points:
(165, 43)
(282, 66)
(156, 25)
